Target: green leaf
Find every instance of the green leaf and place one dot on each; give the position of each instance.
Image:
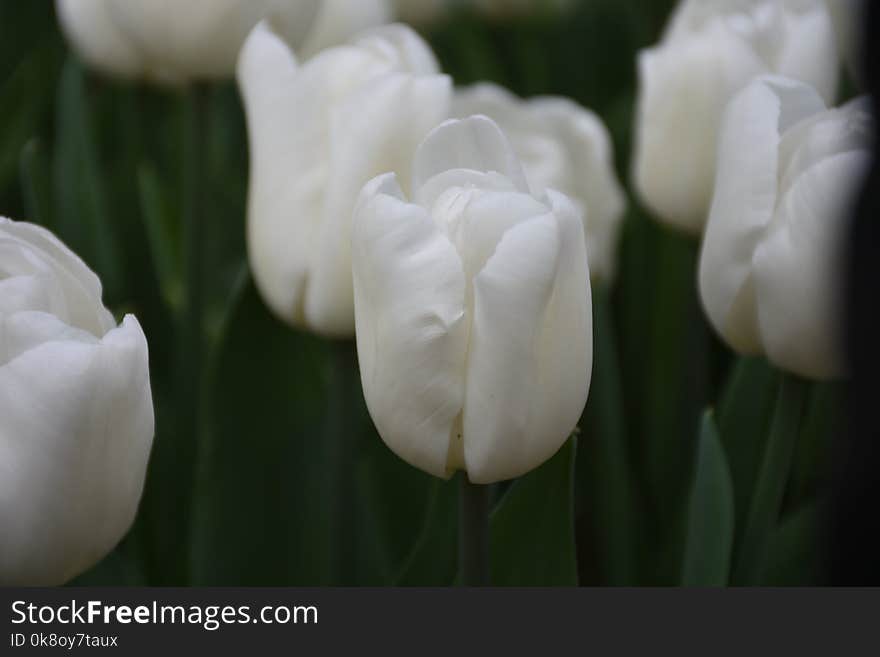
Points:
(26, 98)
(770, 485)
(605, 481)
(257, 514)
(711, 513)
(531, 531)
(159, 238)
(743, 422)
(794, 557)
(81, 201)
(36, 183)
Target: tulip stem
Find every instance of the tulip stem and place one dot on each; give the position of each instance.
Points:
(772, 478)
(473, 533)
(192, 328)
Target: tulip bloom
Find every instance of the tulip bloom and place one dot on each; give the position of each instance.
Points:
(561, 146)
(473, 310)
(76, 412)
(172, 41)
(318, 132)
(770, 267)
(710, 50)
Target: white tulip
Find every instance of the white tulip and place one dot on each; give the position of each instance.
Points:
(473, 310)
(171, 41)
(561, 146)
(710, 50)
(318, 132)
(771, 262)
(76, 412)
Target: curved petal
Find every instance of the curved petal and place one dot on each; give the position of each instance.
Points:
(284, 191)
(590, 177)
(338, 20)
(561, 146)
(530, 353)
(374, 131)
(32, 250)
(808, 50)
(474, 143)
(74, 442)
(799, 270)
(292, 20)
(744, 201)
(194, 39)
(684, 87)
(409, 293)
(89, 28)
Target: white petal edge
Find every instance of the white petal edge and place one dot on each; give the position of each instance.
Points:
(409, 292)
(74, 443)
(530, 352)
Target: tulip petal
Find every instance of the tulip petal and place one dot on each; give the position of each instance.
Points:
(409, 292)
(562, 146)
(530, 353)
(807, 47)
(89, 27)
(195, 39)
(29, 249)
(337, 20)
(76, 433)
(589, 178)
(744, 201)
(283, 199)
(799, 269)
(684, 88)
(474, 143)
(373, 132)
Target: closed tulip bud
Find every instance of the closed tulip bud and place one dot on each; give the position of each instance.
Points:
(318, 132)
(170, 41)
(473, 311)
(770, 267)
(561, 146)
(76, 412)
(710, 50)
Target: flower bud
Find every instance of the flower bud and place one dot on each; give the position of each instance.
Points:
(76, 412)
(171, 41)
(710, 50)
(771, 262)
(473, 310)
(318, 132)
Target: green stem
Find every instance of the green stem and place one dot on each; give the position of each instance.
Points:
(770, 488)
(339, 480)
(473, 533)
(192, 327)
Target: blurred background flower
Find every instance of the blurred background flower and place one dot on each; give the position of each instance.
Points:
(565, 147)
(709, 51)
(172, 42)
(319, 131)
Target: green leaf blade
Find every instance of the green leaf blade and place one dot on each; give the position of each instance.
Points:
(711, 513)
